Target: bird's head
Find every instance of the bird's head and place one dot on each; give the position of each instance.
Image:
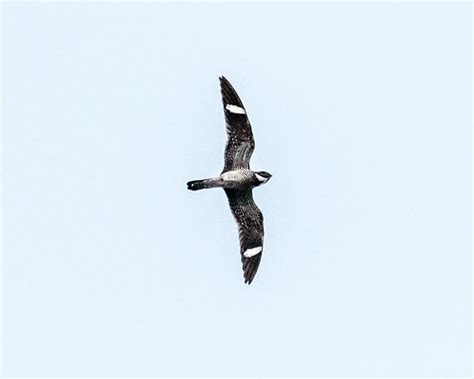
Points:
(262, 176)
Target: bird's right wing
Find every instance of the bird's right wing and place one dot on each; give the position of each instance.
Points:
(240, 143)
(250, 224)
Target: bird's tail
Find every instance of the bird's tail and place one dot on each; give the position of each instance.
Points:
(195, 185)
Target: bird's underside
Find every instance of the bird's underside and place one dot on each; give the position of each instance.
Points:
(238, 180)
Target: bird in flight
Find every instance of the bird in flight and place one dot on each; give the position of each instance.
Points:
(238, 180)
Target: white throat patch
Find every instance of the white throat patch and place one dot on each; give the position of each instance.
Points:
(235, 109)
(261, 178)
(253, 251)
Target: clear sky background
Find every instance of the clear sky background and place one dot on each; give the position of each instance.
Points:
(361, 111)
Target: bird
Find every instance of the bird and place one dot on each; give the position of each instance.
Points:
(238, 180)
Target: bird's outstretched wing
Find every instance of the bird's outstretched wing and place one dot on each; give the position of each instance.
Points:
(250, 224)
(240, 143)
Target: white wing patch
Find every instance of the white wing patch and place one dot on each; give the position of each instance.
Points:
(253, 251)
(235, 109)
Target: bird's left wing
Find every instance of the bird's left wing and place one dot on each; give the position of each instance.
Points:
(240, 143)
(250, 224)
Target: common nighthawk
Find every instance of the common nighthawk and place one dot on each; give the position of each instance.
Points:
(238, 180)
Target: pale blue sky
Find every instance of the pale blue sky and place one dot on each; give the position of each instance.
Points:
(360, 111)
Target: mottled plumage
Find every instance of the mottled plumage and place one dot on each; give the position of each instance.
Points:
(240, 143)
(238, 180)
(250, 224)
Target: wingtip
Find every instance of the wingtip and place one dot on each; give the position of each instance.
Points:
(223, 79)
(250, 268)
(229, 94)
